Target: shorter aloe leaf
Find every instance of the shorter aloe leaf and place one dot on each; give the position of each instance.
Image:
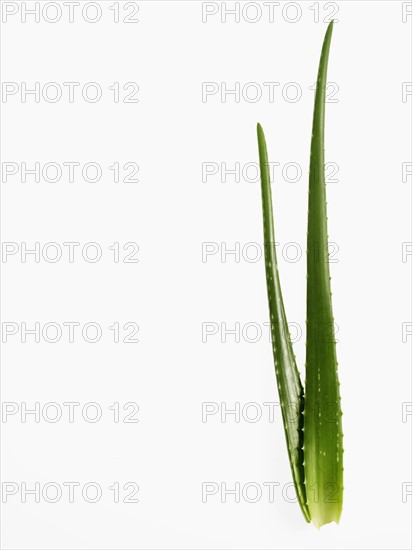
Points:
(287, 375)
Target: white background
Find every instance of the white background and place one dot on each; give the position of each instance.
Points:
(171, 292)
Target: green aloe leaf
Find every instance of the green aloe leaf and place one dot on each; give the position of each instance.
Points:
(287, 375)
(323, 425)
(312, 419)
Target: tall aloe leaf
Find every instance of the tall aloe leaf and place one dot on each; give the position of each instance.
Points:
(323, 451)
(287, 375)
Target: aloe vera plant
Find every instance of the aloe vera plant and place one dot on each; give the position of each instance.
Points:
(311, 418)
